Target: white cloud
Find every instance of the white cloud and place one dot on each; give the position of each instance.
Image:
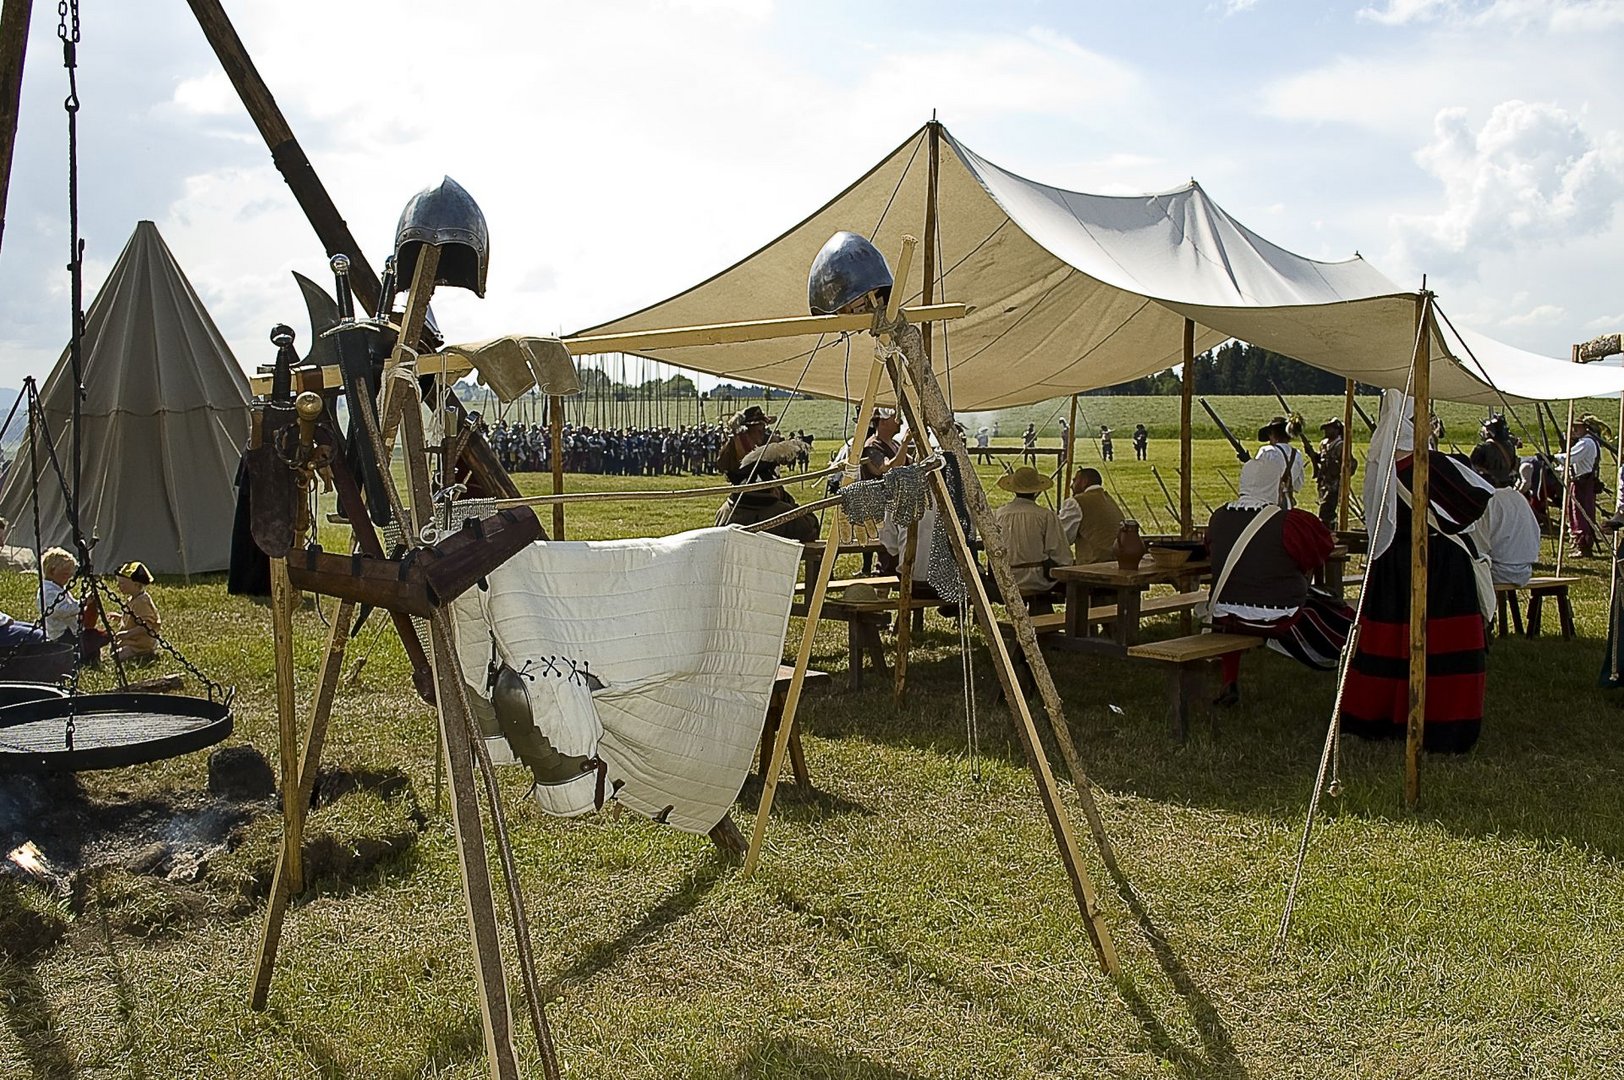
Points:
(1236, 7)
(1530, 175)
(1539, 315)
(1571, 16)
(210, 94)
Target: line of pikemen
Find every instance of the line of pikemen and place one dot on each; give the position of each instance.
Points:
(627, 451)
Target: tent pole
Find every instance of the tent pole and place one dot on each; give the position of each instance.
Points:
(1562, 529)
(1420, 500)
(555, 415)
(1346, 464)
(1186, 395)
(910, 543)
(14, 18)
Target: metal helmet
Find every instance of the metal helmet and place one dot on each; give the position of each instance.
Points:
(445, 217)
(847, 268)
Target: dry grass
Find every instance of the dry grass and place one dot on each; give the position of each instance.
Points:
(908, 921)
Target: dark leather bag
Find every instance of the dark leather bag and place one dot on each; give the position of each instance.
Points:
(423, 579)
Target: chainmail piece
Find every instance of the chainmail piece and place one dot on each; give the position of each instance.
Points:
(942, 571)
(863, 502)
(900, 492)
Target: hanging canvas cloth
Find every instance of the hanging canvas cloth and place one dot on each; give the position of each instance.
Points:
(657, 657)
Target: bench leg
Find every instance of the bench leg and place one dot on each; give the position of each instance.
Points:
(1500, 601)
(797, 757)
(918, 616)
(1536, 606)
(1183, 686)
(1516, 614)
(854, 653)
(869, 635)
(1564, 611)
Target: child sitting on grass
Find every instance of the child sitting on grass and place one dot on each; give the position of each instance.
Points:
(135, 632)
(61, 614)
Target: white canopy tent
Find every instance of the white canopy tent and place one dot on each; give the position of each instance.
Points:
(1074, 292)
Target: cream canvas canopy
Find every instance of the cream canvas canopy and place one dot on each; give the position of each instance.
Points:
(1074, 292)
(165, 417)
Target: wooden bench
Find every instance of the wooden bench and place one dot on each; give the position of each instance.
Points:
(864, 620)
(878, 580)
(775, 715)
(1162, 604)
(1538, 589)
(1188, 659)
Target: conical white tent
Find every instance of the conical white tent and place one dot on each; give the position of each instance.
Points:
(165, 416)
(1074, 292)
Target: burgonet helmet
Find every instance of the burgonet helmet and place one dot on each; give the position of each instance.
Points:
(846, 270)
(445, 217)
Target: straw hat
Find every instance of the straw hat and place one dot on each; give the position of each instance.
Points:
(860, 593)
(1024, 481)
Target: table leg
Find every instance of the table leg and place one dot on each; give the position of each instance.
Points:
(854, 650)
(1127, 619)
(1076, 610)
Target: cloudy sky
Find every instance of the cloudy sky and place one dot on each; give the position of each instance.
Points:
(624, 149)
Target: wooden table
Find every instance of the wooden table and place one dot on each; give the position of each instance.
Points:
(1331, 576)
(1110, 583)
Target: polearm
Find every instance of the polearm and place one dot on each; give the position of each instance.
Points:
(1198, 494)
(1151, 510)
(1167, 495)
(1369, 423)
(1240, 451)
(1225, 478)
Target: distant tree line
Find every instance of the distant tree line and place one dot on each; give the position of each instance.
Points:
(1238, 368)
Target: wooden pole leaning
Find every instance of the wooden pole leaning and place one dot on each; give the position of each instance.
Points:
(820, 586)
(1346, 465)
(1420, 496)
(287, 724)
(941, 423)
(283, 886)
(14, 19)
(1186, 457)
(555, 424)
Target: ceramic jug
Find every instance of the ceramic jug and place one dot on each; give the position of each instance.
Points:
(1130, 546)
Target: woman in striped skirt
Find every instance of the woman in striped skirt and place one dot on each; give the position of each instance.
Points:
(1376, 700)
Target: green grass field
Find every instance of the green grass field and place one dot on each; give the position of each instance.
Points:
(908, 920)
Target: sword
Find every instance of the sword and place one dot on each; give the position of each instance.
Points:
(1240, 451)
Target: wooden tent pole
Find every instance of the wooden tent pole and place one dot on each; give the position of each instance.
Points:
(555, 417)
(1186, 458)
(1071, 448)
(933, 410)
(820, 585)
(1420, 496)
(910, 542)
(1346, 464)
(14, 19)
(1562, 527)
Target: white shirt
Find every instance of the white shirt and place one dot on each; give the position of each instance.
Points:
(1510, 532)
(63, 617)
(1032, 534)
(981, 437)
(1583, 455)
(1292, 459)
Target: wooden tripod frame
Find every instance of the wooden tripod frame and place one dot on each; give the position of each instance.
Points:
(914, 383)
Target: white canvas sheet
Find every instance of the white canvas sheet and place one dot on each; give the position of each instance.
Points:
(1074, 292)
(686, 633)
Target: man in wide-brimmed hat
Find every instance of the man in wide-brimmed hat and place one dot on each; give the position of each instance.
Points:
(1276, 438)
(1033, 537)
(748, 457)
